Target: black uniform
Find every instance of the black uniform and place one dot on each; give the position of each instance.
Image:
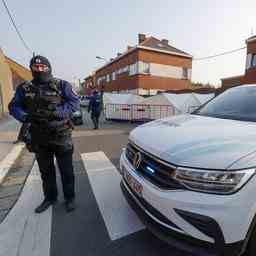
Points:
(47, 103)
(95, 107)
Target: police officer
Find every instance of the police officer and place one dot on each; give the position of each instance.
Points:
(95, 106)
(47, 104)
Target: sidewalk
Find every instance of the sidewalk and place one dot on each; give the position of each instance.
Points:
(13, 160)
(9, 128)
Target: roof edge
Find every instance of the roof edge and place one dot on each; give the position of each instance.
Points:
(251, 39)
(143, 48)
(117, 58)
(163, 51)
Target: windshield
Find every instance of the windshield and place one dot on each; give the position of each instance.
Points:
(237, 103)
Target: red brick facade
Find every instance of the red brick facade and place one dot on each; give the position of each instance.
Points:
(250, 71)
(132, 71)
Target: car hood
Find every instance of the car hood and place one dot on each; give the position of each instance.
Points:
(199, 141)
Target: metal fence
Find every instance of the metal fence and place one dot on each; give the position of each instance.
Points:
(137, 112)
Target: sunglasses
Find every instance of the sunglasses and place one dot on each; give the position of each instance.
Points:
(40, 68)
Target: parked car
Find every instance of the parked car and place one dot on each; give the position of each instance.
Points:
(193, 182)
(77, 117)
(84, 101)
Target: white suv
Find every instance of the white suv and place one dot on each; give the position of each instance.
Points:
(191, 178)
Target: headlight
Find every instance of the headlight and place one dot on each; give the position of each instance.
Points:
(219, 182)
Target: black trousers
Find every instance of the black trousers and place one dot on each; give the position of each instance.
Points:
(95, 119)
(64, 156)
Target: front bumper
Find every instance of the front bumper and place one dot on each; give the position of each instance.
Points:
(171, 236)
(181, 223)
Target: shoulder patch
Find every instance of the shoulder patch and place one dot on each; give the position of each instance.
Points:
(26, 85)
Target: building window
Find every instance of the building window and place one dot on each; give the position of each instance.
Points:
(253, 61)
(143, 67)
(101, 79)
(108, 78)
(122, 70)
(125, 69)
(133, 69)
(248, 61)
(118, 72)
(114, 76)
(184, 73)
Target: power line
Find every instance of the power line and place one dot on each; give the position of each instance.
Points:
(16, 28)
(220, 54)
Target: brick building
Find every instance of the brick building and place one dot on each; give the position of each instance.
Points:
(151, 66)
(249, 76)
(88, 84)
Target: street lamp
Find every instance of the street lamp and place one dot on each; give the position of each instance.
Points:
(101, 58)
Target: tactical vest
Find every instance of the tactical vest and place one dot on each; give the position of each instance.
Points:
(40, 100)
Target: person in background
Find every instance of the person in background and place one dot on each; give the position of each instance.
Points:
(95, 107)
(46, 103)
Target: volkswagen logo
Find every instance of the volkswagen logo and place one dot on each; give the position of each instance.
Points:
(137, 160)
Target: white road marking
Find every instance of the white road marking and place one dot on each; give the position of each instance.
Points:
(24, 233)
(8, 161)
(119, 218)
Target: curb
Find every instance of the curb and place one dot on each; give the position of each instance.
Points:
(9, 160)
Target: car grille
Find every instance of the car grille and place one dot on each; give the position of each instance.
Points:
(162, 177)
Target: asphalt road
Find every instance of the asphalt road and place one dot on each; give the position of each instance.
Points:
(94, 229)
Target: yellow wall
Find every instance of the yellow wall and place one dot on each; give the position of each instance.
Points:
(5, 83)
(20, 70)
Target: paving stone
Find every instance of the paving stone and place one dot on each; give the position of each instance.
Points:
(20, 171)
(12, 186)
(7, 202)
(14, 180)
(8, 190)
(3, 213)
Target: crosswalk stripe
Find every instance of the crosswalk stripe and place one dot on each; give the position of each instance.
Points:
(23, 232)
(104, 178)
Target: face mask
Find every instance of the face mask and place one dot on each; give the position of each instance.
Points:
(42, 77)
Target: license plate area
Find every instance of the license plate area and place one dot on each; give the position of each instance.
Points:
(133, 183)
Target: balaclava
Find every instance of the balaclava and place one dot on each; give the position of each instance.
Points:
(41, 77)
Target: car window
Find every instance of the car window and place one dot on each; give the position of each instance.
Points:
(236, 103)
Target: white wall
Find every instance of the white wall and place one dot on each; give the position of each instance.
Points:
(167, 71)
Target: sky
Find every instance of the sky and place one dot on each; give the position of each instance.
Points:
(72, 33)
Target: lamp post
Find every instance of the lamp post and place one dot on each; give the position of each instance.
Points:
(101, 58)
